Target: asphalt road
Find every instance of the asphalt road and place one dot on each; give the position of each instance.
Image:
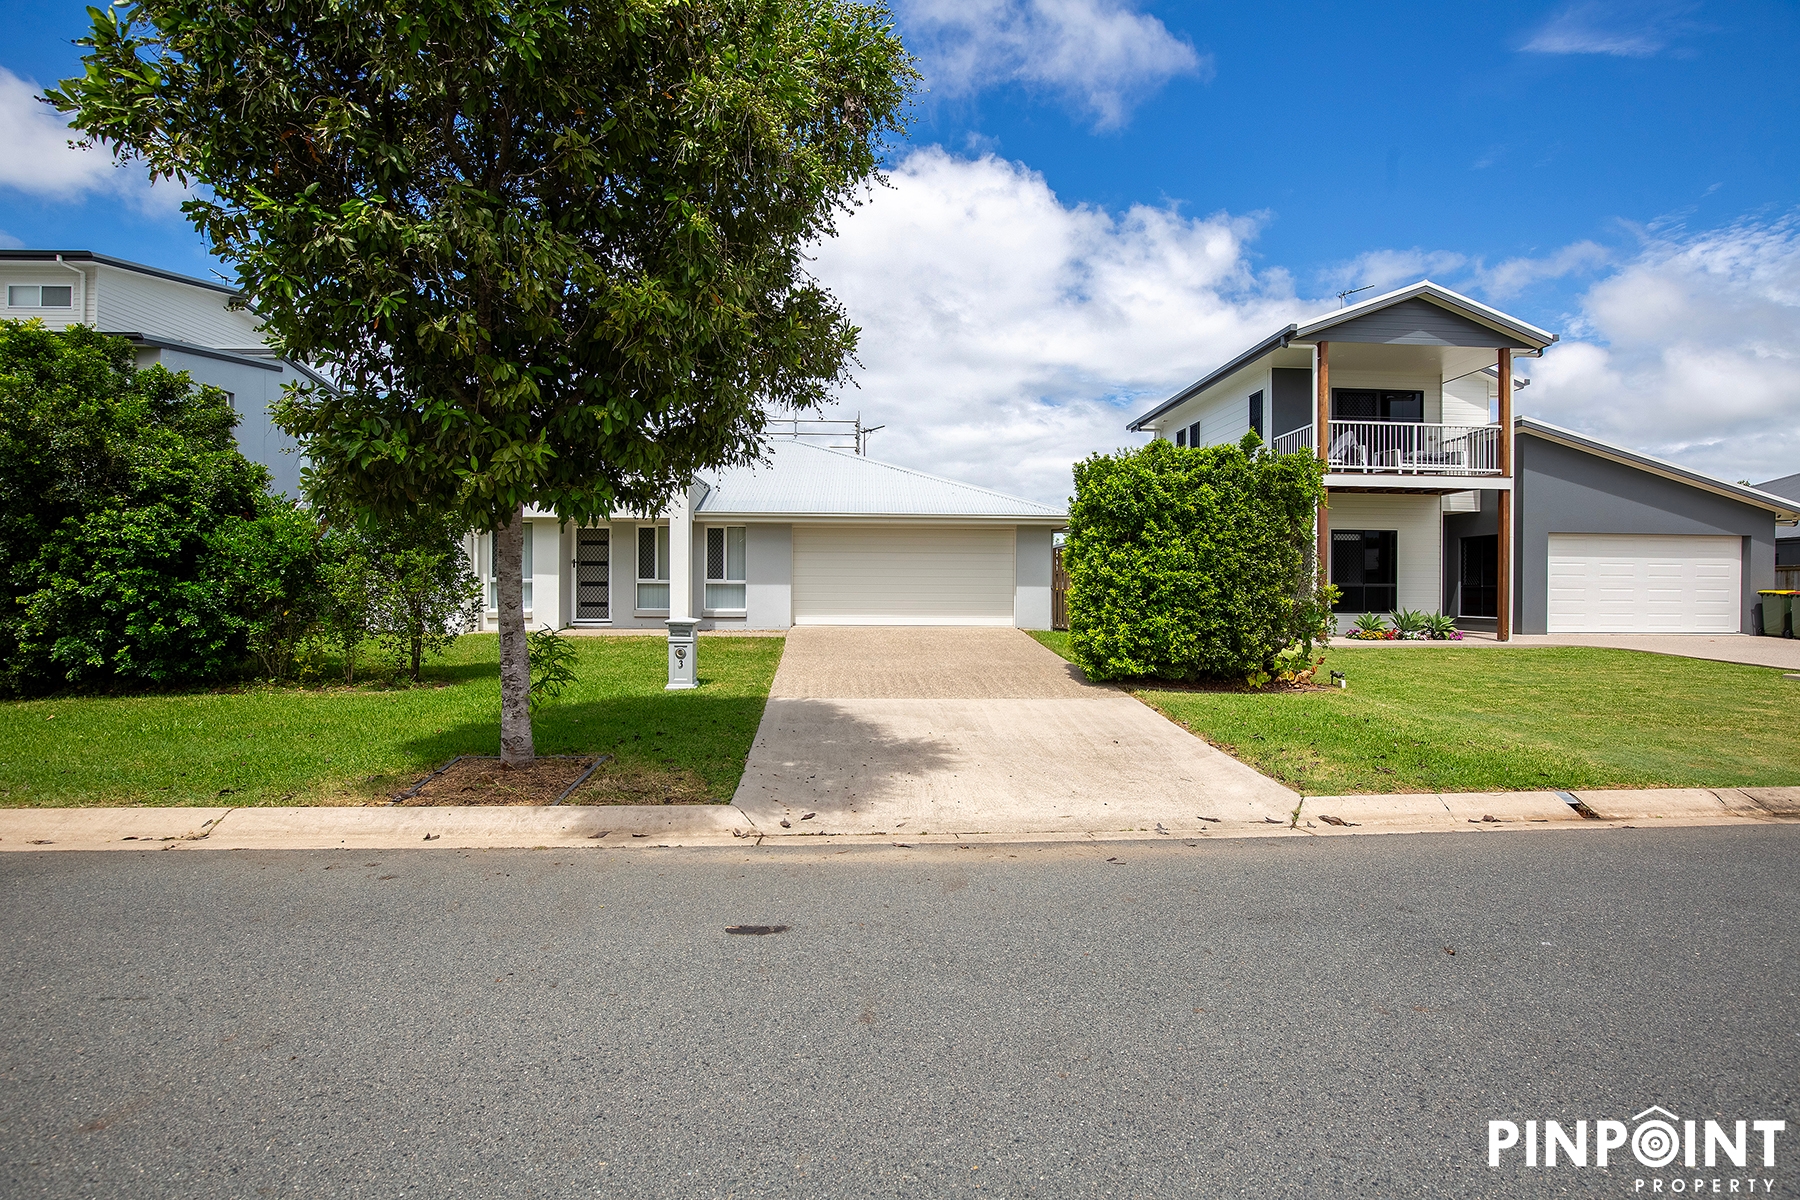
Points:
(1231, 1018)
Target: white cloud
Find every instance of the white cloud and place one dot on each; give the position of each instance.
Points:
(1101, 56)
(1006, 335)
(1514, 275)
(37, 159)
(1690, 351)
(9, 242)
(1622, 31)
(1383, 270)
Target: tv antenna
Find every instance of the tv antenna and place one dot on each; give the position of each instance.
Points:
(1344, 297)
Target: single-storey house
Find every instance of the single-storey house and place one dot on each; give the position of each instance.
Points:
(1440, 499)
(816, 534)
(183, 323)
(813, 535)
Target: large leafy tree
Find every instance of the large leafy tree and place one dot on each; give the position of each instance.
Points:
(552, 251)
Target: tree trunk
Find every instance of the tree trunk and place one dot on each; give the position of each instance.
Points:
(515, 666)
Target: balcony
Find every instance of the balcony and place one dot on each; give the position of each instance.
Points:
(1402, 447)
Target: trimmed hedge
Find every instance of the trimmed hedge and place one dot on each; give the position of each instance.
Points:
(1193, 563)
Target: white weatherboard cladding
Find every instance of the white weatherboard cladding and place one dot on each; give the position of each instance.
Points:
(903, 575)
(1418, 545)
(129, 302)
(1224, 414)
(1468, 401)
(1641, 583)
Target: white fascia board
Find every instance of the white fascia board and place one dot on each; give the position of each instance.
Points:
(1351, 481)
(1428, 290)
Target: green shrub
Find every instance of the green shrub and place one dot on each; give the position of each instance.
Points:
(128, 520)
(1193, 563)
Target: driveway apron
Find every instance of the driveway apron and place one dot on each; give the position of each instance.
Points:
(914, 730)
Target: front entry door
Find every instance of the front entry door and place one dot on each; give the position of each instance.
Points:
(593, 575)
(1480, 580)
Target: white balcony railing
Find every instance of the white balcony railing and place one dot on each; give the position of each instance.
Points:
(1412, 448)
(1294, 441)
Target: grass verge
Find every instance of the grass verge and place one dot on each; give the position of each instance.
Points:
(1476, 719)
(282, 745)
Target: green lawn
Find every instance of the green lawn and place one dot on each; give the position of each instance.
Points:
(1457, 719)
(268, 745)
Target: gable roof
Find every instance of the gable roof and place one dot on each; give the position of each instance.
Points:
(1784, 508)
(799, 479)
(1518, 333)
(50, 256)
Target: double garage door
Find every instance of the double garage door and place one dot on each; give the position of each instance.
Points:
(903, 575)
(1608, 583)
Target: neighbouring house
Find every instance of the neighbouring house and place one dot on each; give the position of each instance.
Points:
(814, 535)
(183, 323)
(1440, 499)
(1787, 537)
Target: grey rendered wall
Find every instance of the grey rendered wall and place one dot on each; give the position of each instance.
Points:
(253, 390)
(769, 576)
(1456, 527)
(1418, 323)
(1292, 402)
(1031, 568)
(1562, 490)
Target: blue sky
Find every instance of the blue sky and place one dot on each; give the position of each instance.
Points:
(1101, 200)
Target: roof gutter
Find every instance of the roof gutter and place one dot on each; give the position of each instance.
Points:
(1270, 344)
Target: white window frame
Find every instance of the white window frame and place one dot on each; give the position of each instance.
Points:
(659, 550)
(729, 575)
(36, 301)
(493, 575)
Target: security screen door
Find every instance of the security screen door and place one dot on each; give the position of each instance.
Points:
(593, 575)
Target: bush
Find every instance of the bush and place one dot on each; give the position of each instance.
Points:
(1193, 563)
(130, 525)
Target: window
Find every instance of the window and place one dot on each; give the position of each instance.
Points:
(32, 295)
(1256, 413)
(1362, 568)
(493, 575)
(1367, 404)
(725, 568)
(1181, 437)
(1194, 434)
(653, 568)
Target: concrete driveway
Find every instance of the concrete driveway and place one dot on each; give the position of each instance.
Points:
(968, 730)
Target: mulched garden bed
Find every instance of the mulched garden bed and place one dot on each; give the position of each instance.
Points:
(474, 780)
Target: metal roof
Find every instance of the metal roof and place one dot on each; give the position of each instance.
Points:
(1426, 290)
(108, 260)
(1787, 486)
(1784, 508)
(1310, 331)
(798, 479)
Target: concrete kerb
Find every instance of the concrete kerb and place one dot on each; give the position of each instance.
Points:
(607, 827)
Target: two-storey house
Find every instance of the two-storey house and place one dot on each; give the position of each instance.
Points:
(1439, 499)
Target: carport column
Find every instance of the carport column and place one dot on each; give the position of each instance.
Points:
(1321, 441)
(1503, 606)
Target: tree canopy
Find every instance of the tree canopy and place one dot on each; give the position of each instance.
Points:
(553, 252)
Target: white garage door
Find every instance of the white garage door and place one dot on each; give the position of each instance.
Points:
(1606, 583)
(903, 575)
